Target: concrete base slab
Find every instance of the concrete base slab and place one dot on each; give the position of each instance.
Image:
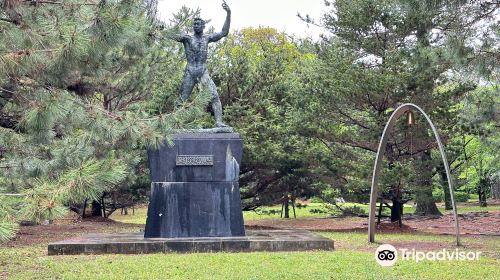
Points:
(135, 243)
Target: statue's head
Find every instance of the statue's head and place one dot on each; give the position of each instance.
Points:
(198, 25)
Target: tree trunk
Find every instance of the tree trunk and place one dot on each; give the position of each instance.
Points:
(96, 209)
(287, 208)
(426, 205)
(481, 191)
(446, 190)
(103, 205)
(84, 208)
(495, 190)
(396, 210)
(395, 190)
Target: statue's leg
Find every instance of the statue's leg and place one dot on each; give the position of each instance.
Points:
(188, 83)
(216, 105)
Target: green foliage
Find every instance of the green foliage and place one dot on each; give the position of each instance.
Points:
(479, 164)
(8, 226)
(438, 195)
(7, 230)
(84, 89)
(473, 196)
(255, 70)
(381, 54)
(461, 197)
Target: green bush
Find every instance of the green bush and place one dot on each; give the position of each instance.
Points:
(438, 195)
(474, 196)
(7, 230)
(300, 205)
(461, 197)
(316, 200)
(8, 225)
(317, 211)
(353, 211)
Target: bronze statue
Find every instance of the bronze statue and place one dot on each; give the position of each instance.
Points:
(196, 48)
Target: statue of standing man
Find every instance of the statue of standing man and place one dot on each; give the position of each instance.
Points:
(196, 48)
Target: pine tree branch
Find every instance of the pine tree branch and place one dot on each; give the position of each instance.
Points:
(353, 120)
(27, 52)
(10, 20)
(359, 144)
(104, 111)
(185, 105)
(35, 2)
(7, 91)
(483, 15)
(7, 122)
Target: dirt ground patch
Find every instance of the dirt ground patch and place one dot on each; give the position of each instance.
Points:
(66, 228)
(476, 223)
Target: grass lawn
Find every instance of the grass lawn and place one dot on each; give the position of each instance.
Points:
(353, 259)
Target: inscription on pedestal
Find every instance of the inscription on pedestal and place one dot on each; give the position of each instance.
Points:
(192, 160)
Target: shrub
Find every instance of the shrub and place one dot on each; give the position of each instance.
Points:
(7, 230)
(438, 195)
(300, 205)
(318, 211)
(316, 200)
(474, 196)
(353, 211)
(461, 197)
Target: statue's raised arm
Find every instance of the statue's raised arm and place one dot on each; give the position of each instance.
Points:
(225, 29)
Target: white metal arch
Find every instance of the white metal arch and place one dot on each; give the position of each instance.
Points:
(378, 161)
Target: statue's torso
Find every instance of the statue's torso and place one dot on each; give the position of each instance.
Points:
(196, 48)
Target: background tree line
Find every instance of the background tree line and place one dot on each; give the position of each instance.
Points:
(86, 86)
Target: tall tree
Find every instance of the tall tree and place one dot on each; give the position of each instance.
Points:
(84, 88)
(255, 70)
(479, 162)
(384, 53)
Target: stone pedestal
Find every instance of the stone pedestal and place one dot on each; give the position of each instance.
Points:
(194, 189)
(135, 243)
(194, 207)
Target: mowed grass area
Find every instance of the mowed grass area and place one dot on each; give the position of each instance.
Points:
(353, 259)
(312, 210)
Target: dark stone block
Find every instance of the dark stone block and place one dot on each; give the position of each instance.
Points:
(261, 245)
(149, 247)
(236, 246)
(191, 199)
(194, 209)
(128, 248)
(116, 248)
(207, 246)
(65, 249)
(179, 246)
(162, 162)
(95, 248)
(126, 243)
(54, 250)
